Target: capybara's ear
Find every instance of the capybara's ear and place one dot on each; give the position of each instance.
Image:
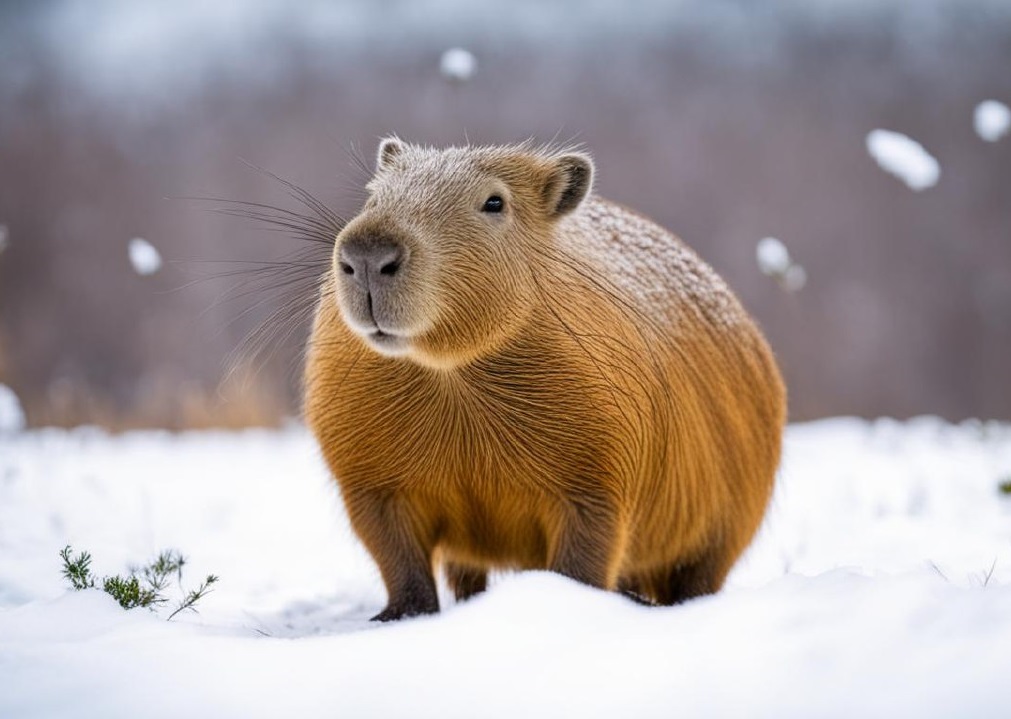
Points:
(569, 183)
(389, 148)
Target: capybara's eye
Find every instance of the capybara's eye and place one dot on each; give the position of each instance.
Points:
(493, 204)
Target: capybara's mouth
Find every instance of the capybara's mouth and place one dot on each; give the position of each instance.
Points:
(386, 342)
(380, 334)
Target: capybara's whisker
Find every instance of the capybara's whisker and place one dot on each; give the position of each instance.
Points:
(286, 287)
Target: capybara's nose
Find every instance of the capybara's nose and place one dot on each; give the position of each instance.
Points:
(370, 261)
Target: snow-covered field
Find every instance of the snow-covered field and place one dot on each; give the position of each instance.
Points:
(878, 587)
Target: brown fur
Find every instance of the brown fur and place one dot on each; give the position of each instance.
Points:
(576, 390)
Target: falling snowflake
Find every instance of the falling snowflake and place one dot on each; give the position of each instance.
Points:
(992, 120)
(773, 257)
(458, 65)
(144, 257)
(903, 157)
(774, 261)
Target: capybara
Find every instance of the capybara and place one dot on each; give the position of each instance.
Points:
(507, 372)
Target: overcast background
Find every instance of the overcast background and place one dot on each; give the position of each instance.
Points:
(725, 121)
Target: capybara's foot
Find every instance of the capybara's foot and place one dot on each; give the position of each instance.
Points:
(393, 612)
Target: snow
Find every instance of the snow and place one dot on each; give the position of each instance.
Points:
(992, 119)
(457, 64)
(794, 278)
(144, 256)
(774, 261)
(866, 593)
(650, 264)
(903, 157)
(12, 417)
(773, 257)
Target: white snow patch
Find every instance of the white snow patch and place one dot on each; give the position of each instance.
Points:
(992, 120)
(903, 157)
(839, 609)
(144, 257)
(12, 417)
(457, 64)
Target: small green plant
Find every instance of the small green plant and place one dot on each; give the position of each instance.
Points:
(143, 587)
(77, 570)
(195, 595)
(1004, 486)
(158, 572)
(129, 592)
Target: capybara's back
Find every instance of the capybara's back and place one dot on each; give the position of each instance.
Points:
(506, 372)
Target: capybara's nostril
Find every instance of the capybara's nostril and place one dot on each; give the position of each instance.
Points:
(388, 259)
(370, 260)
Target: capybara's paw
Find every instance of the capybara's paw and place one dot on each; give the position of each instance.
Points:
(394, 612)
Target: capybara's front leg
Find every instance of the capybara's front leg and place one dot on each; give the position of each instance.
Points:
(398, 543)
(585, 546)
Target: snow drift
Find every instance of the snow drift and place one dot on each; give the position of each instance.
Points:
(878, 587)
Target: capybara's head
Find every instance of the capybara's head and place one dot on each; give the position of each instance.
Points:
(438, 266)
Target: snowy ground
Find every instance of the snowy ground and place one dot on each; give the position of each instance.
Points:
(865, 595)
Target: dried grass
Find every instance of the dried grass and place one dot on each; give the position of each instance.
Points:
(238, 402)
